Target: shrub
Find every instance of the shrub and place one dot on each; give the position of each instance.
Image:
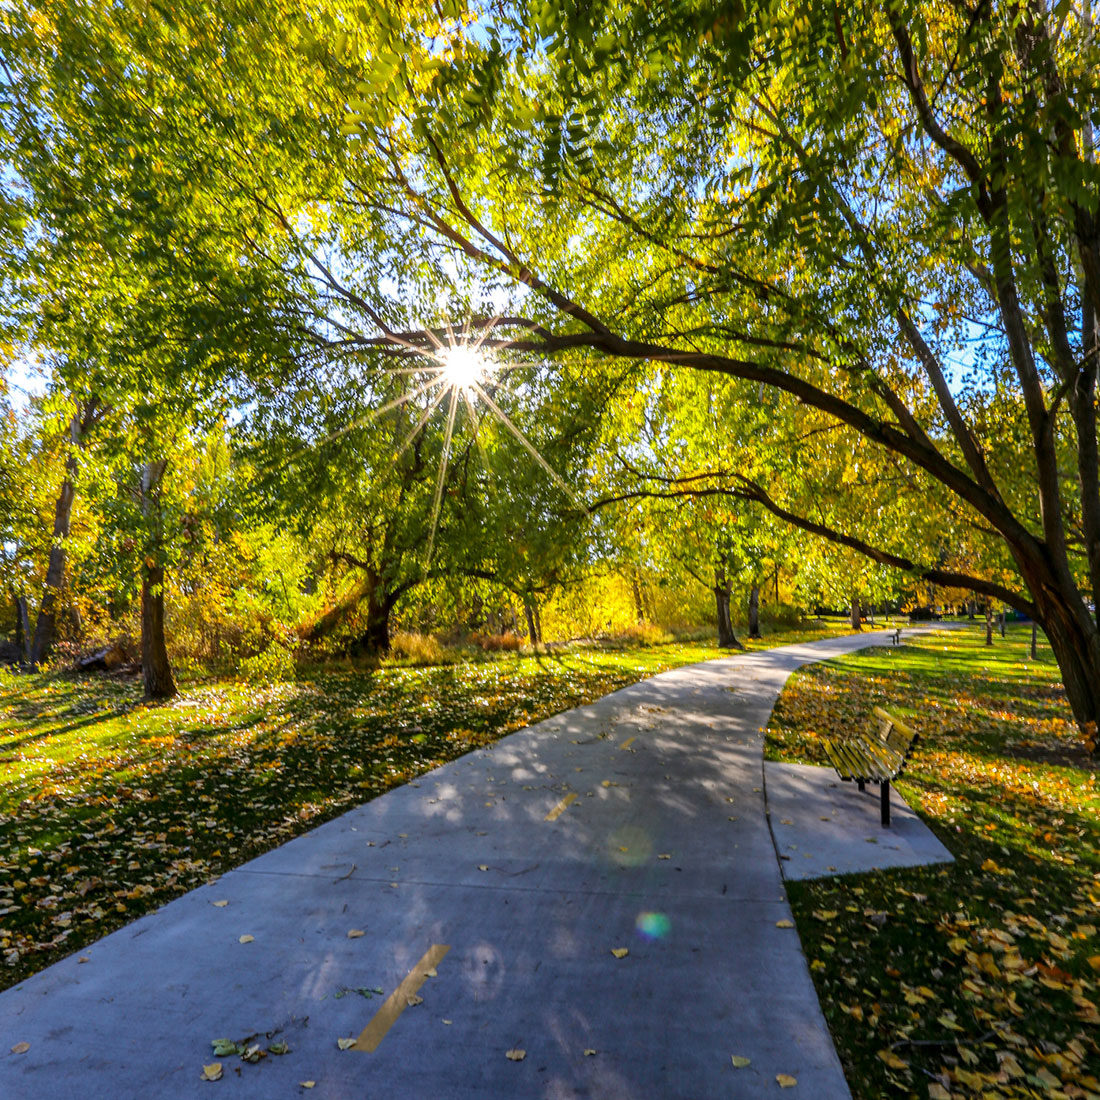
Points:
(274, 664)
(412, 648)
(645, 634)
(493, 643)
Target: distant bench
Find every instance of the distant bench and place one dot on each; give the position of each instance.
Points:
(876, 755)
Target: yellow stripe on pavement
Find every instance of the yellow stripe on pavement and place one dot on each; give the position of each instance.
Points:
(559, 809)
(398, 1000)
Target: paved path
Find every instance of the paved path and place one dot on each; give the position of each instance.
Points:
(665, 850)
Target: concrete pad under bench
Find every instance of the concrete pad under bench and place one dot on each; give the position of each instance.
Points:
(824, 826)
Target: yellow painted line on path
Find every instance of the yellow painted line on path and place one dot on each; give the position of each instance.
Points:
(559, 809)
(398, 1000)
(628, 742)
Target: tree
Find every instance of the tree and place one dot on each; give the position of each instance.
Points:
(827, 204)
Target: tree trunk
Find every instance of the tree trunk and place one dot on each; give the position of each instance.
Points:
(856, 613)
(155, 668)
(636, 592)
(1004, 615)
(532, 622)
(374, 641)
(988, 624)
(45, 630)
(22, 628)
(1034, 640)
(754, 611)
(726, 637)
(970, 609)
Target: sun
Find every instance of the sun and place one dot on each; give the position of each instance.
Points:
(463, 367)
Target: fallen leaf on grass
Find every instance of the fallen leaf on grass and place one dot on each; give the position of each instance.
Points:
(219, 904)
(936, 1091)
(825, 914)
(515, 1055)
(345, 1044)
(355, 933)
(246, 938)
(620, 952)
(786, 1081)
(20, 1048)
(892, 1060)
(784, 924)
(212, 1072)
(740, 1061)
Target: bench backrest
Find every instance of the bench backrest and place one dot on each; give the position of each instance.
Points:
(894, 733)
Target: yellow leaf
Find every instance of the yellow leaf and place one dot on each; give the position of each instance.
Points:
(219, 904)
(620, 952)
(1094, 962)
(825, 914)
(784, 924)
(588, 1053)
(431, 972)
(936, 1091)
(20, 1048)
(414, 999)
(483, 867)
(246, 938)
(307, 1084)
(354, 933)
(740, 1061)
(670, 857)
(212, 1072)
(515, 1055)
(786, 1081)
(345, 1044)
(892, 1060)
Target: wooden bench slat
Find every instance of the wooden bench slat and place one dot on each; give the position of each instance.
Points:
(877, 755)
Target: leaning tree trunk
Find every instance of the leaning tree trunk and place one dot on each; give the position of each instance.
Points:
(754, 611)
(726, 637)
(155, 668)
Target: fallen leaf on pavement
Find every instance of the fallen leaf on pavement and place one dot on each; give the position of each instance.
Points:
(20, 1048)
(620, 952)
(515, 1055)
(589, 1053)
(786, 1081)
(354, 933)
(219, 904)
(740, 1061)
(345, 1044)
(784, 924)
(415, 999)
(246, 938)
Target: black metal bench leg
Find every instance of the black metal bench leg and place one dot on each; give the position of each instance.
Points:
(884, 789)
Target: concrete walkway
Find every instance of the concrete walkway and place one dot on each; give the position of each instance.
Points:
(635, 823)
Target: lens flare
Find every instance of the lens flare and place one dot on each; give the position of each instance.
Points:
(464, 367)
(653, 926)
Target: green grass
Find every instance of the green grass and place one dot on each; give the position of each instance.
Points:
(978, 979)
(108, 807)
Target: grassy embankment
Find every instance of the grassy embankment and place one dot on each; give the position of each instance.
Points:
(980, 978)
(108, 807)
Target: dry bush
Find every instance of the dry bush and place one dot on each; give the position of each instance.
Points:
(495, 643)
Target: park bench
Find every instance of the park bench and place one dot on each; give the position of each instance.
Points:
(876, 755)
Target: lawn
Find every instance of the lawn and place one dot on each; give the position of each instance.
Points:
(979, 979)
(109, 808)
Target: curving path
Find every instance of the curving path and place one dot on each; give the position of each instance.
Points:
(665, 850)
